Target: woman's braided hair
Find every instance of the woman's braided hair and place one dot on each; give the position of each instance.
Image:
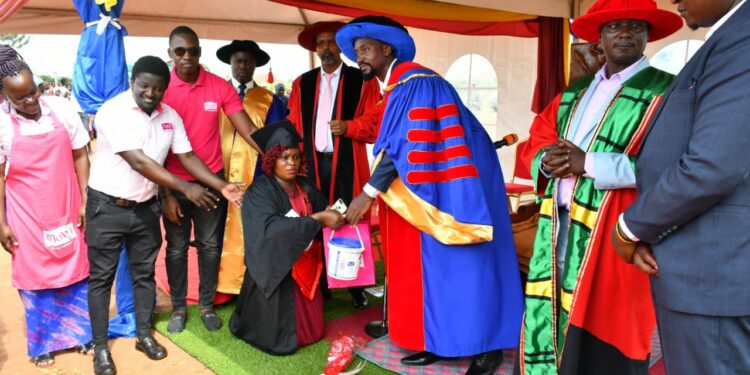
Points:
(11, 63)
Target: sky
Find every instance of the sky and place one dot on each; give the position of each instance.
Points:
(55, 55)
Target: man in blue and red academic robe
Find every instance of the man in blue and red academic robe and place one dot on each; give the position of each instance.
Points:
(454, 286)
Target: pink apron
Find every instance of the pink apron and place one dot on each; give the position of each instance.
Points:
(42, 198)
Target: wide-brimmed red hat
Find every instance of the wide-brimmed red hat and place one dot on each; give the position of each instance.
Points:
(307, 37)
(663, 23)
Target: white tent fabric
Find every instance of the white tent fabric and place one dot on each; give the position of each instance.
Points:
(265, 21)
(220, 19)
(514, 59)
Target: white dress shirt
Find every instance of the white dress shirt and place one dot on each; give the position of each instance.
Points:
(322, 89)
(250, 85)
(123, 126)
(592, 107)
(369, 189)
(384, 83)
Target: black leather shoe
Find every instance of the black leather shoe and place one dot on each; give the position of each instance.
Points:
(420, 359)
(177, 321)
(103, 363)
(153, 349)
(211, 321)
(486, 363)
(360, 300)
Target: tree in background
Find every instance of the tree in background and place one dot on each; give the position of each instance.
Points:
(15, 40)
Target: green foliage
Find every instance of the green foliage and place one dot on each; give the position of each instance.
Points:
(15, 40)
(49, 79)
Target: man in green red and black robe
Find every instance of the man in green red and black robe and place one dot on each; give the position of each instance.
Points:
(587, 311)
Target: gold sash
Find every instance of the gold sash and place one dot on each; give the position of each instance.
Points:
(239, 166)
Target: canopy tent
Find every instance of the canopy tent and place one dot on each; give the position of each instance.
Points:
(263, 20)
(514, 59)
(266, 21)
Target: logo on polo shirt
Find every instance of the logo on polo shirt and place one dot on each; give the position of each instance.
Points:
(167, 126)
(210, 106)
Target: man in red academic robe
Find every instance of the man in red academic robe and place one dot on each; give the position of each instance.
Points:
(336, 113)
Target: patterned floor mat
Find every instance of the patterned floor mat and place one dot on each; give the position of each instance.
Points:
(387, 355)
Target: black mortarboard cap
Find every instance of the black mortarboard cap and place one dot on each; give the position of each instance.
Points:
(279, 133)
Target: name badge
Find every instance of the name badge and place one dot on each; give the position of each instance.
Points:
(210, 106)
(167, 126)
(60, 236)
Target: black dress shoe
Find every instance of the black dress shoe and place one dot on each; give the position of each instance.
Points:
(486, 363)
(360, 300)
(103, 363)
(211, 321)
(420, 359)
(177, 321)
(153, 349)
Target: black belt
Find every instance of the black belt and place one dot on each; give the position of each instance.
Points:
(120, 202)
(325, 155)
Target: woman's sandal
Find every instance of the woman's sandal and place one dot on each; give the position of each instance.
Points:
(44, 360)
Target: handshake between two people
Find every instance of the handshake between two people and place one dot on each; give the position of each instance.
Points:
(335, 216)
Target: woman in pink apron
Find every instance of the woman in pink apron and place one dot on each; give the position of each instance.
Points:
(43, 154)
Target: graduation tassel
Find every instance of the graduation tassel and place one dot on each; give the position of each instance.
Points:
(270, 74)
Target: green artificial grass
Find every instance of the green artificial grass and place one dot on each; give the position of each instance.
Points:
(225, 354)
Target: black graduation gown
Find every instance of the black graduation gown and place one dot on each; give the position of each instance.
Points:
(265, 313)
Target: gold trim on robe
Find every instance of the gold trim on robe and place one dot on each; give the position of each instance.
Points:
(239, 166)
(427, 218)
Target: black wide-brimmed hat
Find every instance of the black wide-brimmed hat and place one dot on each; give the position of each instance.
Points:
(281, 133)
(261, 57)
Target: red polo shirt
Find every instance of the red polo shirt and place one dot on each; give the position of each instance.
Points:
(200, 106)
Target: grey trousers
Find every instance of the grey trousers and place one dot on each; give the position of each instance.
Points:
(702, 345)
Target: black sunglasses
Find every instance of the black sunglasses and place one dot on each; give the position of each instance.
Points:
(193, 51)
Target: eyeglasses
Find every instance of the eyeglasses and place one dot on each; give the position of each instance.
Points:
(181, 51)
